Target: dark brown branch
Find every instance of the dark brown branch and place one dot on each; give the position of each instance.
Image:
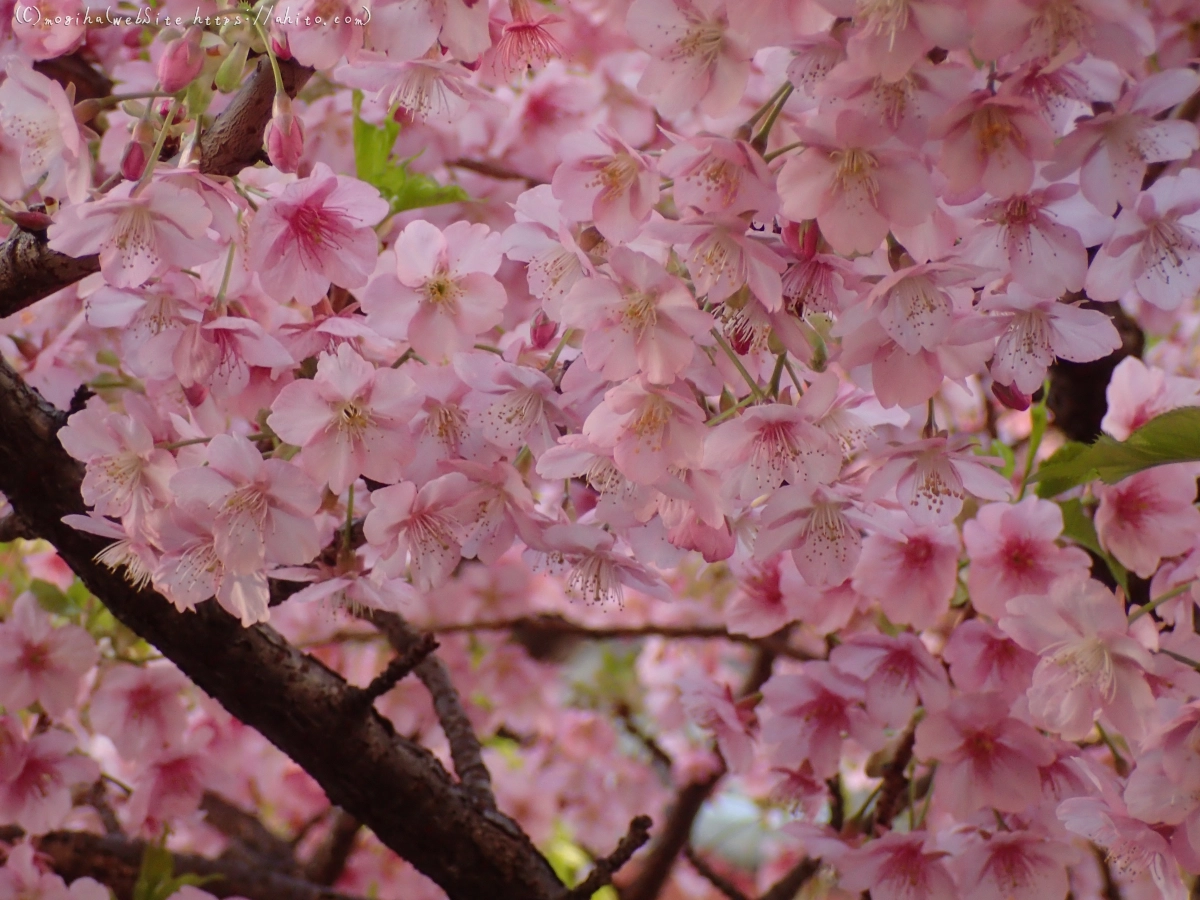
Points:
(249, 840)
(787, 886)
(713, 877)
(492, 170)
(235, 139)
(30, 270)
(397, 669)
(394, 786)
(553, 625)
(465, 750)
(607, 866)
(329, 861)
(90, 83)
(894, 781)
(114, 861)
(13, 527)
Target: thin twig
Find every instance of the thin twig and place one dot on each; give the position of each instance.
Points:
(787, 886)
(492, 170)
(465, 749)
(715, 878)
(329, 860)
(404, 662)
(607, 866)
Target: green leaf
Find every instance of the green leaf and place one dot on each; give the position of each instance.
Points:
(1172, 437)
(1078, 527)
(157, 879)
(373, 164)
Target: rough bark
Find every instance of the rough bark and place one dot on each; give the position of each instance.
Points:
(394, 786)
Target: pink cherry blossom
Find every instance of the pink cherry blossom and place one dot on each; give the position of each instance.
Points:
(892, 37)
(432, 88)
(417, 530)
(40, 775)
(542, 238)
(36, 116)
(717, 175)
(991, 142)
(1090, 665)
(712, 707)
(443, 295)
(264, 508)
(985, 758)
(812, 713)
(594, 570)
(1149, 516)
(171, 784)
(933, 475)
(1112, 149)
(1137, 393)
(983, 659)
(642, 319)
(190, 571)
(648, 429)
(1014, 865)
(221, 354)
(1012, 552)
(140, 709)
(1134, 850)
(126, 474)
(140, 235)
(1039, 330)
(899, 672)
(603, 179)
(1039, 238)
(820, 526)
(768, 445)
(513, 406)
(1155, 248)
(724, 255)
(698, 55)
(41, 663)
(351, 420)
(898, 867)
(912, 576)
(316, 231)
(854, 187)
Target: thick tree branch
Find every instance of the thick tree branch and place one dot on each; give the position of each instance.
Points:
(464, 744)
(394, 786)
(114, 861)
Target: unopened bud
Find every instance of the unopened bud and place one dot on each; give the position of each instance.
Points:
(281, 47)
(542, 331)
(182, 61)
(285, 136)
(229, 73)
(29, 219)
(1011, 396)
(86, 110)
(137, 153)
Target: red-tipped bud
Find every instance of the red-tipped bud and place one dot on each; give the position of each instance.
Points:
(137, 153)
(30, 220)
(285, 136)
(542, 331)
(182, 61)
(279, 44)
(801, 238)
(1010, 396)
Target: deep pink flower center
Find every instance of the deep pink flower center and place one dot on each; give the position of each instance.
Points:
(317, 228)
(35, 658)
(918, 552)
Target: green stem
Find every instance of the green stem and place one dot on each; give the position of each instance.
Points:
(768, 105)
(760, 140)
(777, 375)
(190, 442)
(1178, 657)
(729, 413)
(778, 152)
(787, 364)
(279, 88)
(754, 388)
(562, 342)
(1157, 602)
(349, 519)
(1038, 415)
(158, 145)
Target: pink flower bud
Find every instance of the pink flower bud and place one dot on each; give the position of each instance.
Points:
(542, 331)
(137, 153)
(181, 62)
(30, 220)
(285, 136)
(279, 44)
(1010, 396)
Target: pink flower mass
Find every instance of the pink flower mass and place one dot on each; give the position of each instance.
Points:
(656, 449)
